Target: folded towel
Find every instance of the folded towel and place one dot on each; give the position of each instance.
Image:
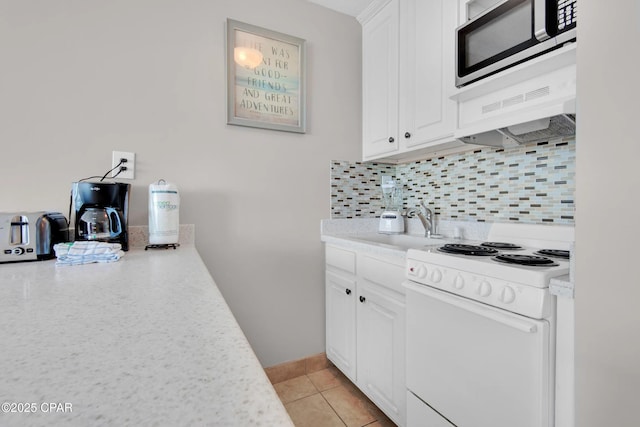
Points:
(86, 252)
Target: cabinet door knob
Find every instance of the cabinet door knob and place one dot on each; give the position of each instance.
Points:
(391, 139)
(407, 135)
(362, 299)
(348, 291)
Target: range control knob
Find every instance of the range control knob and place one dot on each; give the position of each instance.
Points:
(422, 272)
(484, 289)
(508, 295)
(436, 276)
(458, 282)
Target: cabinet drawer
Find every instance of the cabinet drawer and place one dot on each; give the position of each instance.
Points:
(382, 273)
(341, 259)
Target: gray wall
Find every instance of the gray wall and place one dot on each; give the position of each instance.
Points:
(81, 78)
(607, 231)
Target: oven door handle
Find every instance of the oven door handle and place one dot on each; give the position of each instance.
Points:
(476, 308)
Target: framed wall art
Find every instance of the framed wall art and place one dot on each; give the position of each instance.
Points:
(265, 78)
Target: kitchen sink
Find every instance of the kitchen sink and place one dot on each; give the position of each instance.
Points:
(403, 241)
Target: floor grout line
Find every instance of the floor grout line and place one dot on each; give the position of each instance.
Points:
(321, 392)
(333, 409)
(303, 397)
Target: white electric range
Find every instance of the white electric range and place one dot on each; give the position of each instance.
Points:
(481, 328)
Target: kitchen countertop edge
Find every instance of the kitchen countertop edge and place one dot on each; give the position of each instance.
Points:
(562, 287)
(147, 340)
(350, 241)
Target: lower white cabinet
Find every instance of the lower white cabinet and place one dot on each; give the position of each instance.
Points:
(365, 337)
(341, 323)
(380, 351)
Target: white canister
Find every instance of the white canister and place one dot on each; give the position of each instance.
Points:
(164, 210)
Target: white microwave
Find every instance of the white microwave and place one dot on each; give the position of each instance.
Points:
(509, 33)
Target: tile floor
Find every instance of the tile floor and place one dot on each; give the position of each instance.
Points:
(326, 398)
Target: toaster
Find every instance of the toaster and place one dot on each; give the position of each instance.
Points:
(30, 236)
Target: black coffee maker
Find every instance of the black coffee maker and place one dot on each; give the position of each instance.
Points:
(101, 212)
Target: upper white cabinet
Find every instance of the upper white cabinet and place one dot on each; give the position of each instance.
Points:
(408, 77)
(427, 115)
(380, 68)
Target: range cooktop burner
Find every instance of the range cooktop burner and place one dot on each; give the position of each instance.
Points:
(461, 249)
(501, 245)
(528, 260)
(556, 253)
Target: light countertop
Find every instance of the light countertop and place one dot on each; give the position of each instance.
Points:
(562, 286)
(148, 340)
(361, 234)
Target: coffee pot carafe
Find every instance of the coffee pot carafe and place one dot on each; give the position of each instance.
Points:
(99, 223)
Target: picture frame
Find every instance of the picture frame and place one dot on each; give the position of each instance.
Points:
(265, 78)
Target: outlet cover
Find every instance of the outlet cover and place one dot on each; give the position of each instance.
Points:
(130, 165)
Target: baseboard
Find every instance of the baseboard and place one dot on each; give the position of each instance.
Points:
(297, 368)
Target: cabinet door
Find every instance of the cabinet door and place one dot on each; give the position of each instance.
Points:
(380, 82)
(381, 353)
(427, 114)
(341, 323)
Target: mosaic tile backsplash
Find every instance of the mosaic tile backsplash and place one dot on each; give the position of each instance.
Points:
(528, 184)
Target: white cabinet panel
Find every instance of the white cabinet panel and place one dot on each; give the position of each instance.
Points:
(380, 74)
(365, 325)
(383, 273)
(408, 76)
(381, 354)
(427, 113)
(341, 323)
(341, 259)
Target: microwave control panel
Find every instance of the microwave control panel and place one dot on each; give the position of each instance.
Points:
(566, 14)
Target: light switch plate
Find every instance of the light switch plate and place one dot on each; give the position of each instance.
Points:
(130, 165)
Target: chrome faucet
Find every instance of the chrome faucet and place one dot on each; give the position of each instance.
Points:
(427, 219)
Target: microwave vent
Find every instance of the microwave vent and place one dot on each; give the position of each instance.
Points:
(517, 99)
(514, 100)
(560, 126)
(540, 130)
(538, 93)
(491, 107)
